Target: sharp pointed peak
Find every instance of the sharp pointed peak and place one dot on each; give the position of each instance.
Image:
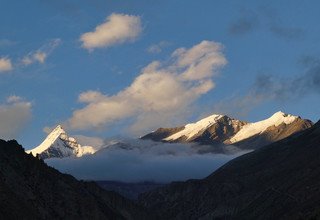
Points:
(57, 129)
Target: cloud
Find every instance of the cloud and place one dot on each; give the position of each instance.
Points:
(157, 48)
(5, 64)
(137, 160)
(95, 142)
(117, 29)
(268, 19)
(289, 88)
(40, 55)
(162, 93)
(269, 87)
(14, 114)
(290, 33)
(247, 22)
(14, 99)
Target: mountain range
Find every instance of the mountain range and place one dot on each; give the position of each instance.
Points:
(217, 132)
(221, 130)
(277, 181)
(280, 180)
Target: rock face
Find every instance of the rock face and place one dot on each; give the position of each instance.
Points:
(161, 133)
(29, 189)
(278, 181)
(217, 130)
(59, 144)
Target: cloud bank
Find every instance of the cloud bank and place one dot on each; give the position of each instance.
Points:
(162, 92)
(137, 160)
(14, 114)
(5, 64)
(117, 29)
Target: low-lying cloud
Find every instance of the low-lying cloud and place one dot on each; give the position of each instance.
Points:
(117, 29)
(15, 113)
(137, 160)
(161, 94)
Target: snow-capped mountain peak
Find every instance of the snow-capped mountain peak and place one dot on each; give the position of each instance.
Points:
(259, 127)
(193, 128)
(59, 144)
(221, 130)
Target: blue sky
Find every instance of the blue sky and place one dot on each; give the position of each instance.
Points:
(256, 58)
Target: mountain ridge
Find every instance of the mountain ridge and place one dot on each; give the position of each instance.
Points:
(223, 130)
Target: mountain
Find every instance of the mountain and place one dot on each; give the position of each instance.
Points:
(59, 144)
(29, 189)
(278, 181)
(129, 190)
(220, 130)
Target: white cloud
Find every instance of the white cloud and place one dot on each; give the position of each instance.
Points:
(5, 64)
(95, 142)
(14, 99)
(118, 28)
(14, 115)
(159, 95)
(41, 54)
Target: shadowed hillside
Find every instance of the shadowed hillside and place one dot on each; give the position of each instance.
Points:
(278, 181)
(29, 189)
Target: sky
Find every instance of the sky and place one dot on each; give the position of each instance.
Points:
(106, 68)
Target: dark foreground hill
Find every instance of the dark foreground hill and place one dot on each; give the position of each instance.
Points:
(129, 190)
(278, 181)
(29, 189)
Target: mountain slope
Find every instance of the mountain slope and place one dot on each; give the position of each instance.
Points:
(278, 181)
(223, 130)
(59, 144)
(29, 189)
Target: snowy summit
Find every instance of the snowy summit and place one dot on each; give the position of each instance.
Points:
(259, 127)
(59, 144)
